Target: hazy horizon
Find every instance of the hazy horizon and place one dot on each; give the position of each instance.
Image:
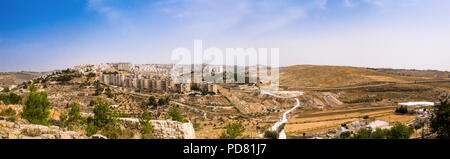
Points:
(400, 34)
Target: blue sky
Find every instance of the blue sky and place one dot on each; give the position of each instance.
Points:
(53, 34)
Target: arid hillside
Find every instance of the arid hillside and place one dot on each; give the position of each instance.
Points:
(319, 77)
(15, 78)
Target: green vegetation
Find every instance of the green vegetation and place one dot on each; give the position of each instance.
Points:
(164, 101)
(401, 110)
(233, 131)
(11, 98)
(8, 112)
(6, 89)
(270, 134)
(196, 125)
(108, 93)
(110, 73)
(74, 120)
(399, 131)
(91, 75)
(102, 113)
(176, 114)
(440, 121)
(146, 124)
(152, 101)
(36, 107)
(207, 93)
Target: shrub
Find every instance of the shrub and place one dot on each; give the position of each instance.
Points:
(401, 110)
(164, 101)
(366, 117)
(11, 98)
(176, 114)
(36, 107)
(6, 89)
(362, 133)
(111, 130)
(271, 134)
(74, 119)
(91, 129)
(378, 134)
(152, 101)
(108, 93)
(233, 131)
(8, 112)
(146, 124)
(196, 125)
(400, 131)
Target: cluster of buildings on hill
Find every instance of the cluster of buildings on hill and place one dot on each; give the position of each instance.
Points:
(167, 85)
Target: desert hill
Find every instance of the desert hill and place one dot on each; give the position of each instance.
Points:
(317, 77)
(15, 78)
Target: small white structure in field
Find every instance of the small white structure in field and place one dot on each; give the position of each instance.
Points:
(416, 104)
(378, 124)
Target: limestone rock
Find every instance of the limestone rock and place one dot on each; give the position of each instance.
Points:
(98, 136)
(165, 129)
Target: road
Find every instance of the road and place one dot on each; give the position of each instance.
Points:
(280, 124)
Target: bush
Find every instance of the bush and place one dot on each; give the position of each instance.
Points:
(271, 134)
(366, 117)
(111, 130)
(109, 93)
(379, 134)
(400, 131)
(362, 133)
(8, 112)
(146, 124)
(176, 114)
(6, 89)
(402, 110)
(164, 101)
(36, 107)
(74, 119)
(91, 129)
(11, 98)
(233, 131)
(196, 125)
(152, 101)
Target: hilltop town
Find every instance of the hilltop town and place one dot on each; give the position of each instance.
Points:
(145, 101)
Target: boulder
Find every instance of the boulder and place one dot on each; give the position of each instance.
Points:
(165, 129)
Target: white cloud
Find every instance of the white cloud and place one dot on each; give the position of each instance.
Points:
(350, 3)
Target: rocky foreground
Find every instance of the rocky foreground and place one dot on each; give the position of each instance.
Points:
(20, 129)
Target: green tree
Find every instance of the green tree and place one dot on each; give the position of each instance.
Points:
(378, 134)
(233, 131)
(91, 128)
(102, 113)
(98, 91)
(36, 107)
(109, 93)
(6, 89)
(400, 131)
(152, 101)
(74, 116)
(440, 121)
(362, 133)
(146, 124)
(176, 114)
